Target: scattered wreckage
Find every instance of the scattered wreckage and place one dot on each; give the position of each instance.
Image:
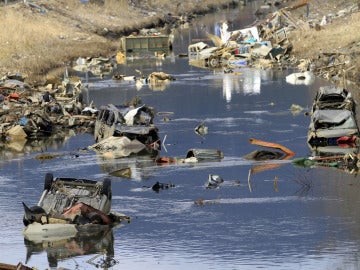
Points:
(263, 160)
(69, 206)
(267, 159)
(348, 163)
(268, 43)
(137, 133)
(297, 78)
(27, 113)
(95, 65)
(157, 80)
(159, 186)
(126, 130)
(238, 48)
(193, 155)
(214, 181)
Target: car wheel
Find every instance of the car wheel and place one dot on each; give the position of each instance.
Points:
(213, 62)
(48, 181)
(106, 189)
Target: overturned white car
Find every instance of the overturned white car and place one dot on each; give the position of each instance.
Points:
(68, 206)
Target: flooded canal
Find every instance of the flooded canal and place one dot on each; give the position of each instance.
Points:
(279, 217)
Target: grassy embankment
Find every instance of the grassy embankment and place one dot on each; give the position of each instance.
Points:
(37, 42)
(34, 43)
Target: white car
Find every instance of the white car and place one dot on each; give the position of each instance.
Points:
(69, 205)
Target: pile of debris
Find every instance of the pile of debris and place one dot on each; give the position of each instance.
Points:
(27, 112)
(57, 107)
(267, 44)
(264, 44)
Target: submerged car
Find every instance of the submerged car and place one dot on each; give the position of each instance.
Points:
(68, 206)
(333, 121)
(333, 135)
(135, 124)
(334, 98)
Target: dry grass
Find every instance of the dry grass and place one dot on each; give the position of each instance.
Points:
(33, 44)
(110, 14)
(334, 37)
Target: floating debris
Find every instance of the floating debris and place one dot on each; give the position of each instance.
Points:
(201, 129)
(214, 181)
(202, 202)
(296, 109)
(306, 78)
(47, 156)
(159, 186)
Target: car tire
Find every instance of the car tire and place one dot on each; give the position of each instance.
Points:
(213, 62)
(106, 189)
(48, 181)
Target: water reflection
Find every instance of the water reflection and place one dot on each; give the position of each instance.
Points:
(101, 242)
(21, 147)
(252, 82)
(245, 80)
(134, 167)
